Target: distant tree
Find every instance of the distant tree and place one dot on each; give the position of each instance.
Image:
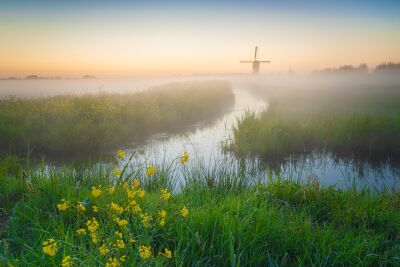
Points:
(344, 69)
(31, 77)
(363, 67)
(388, 67)
(350, 68)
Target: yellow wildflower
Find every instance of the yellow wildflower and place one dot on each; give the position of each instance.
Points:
(122, 258)
(66, 261)
(116, 208)
(122, 223)
(118, 234)
(185, 157)
(81, 207)
(162, 213)
(112, 262)
(167, 253)
(146, 219)
(137, 209)
(165, 195)
(62, 206)
(95, 209)
(145, 252)
(136, 183)
(121, 154)
(131, 194)
(92, 225)
(50, 247)
(132, 240)
(96, 192)
(103, 249)
(120, 243)
(81, 231)
(151, 170)
(111, 189)
(132, 203)
(116, 171)
(141, 193)
(125, 186)
(94, 237)
(184, 212)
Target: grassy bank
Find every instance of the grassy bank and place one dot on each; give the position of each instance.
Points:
(96, 216)
(360, 135)
(91, 123)
(349, 120)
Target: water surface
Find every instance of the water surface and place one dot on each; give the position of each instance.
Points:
(203, 139)
(203, 142)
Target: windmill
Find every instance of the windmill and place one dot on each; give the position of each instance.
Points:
(255, 62)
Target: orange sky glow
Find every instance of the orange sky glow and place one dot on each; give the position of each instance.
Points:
(153, 42)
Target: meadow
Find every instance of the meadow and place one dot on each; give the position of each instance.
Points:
(84, 124)
(113, 215)
(189, 212)
(345, 118)
(361, 136)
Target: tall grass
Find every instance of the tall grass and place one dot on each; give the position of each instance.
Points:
(360, 135)
(348, 119)
(74, 124)
(280, 223)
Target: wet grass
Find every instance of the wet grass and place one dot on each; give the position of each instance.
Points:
(233, 216)
(359, 135)
(351, 121)
(76, 125)
(230, 222)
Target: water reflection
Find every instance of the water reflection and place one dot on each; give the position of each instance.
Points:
(331, 170)
(203, 142)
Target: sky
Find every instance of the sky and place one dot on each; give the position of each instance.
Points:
(128, 38)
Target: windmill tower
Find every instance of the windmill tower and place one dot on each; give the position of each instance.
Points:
(256, 63)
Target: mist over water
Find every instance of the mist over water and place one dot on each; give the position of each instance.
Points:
(295, 94)
(31, 88)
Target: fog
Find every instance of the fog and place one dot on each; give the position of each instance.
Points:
(28, 88)
(287, 85)
(291, 93)
(281, 96)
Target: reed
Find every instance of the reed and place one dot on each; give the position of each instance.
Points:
(281, 223)
(84, 124)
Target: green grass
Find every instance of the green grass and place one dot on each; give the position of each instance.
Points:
(230, 222)
(76, 125)
(304, 98)
(234, 218)
(349, 120)
(12, 182)
(360, 135)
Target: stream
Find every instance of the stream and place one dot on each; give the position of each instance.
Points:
(203, 139)
(203, 142)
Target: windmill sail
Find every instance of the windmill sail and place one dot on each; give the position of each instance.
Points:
(256, 63)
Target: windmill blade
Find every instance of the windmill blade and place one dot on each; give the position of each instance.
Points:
(255, 53)
(265, 61)
(246, 61)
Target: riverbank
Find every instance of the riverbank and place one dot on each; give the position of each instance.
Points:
(359, 121)
(83, 124)
(359, 136)
(98, 215)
